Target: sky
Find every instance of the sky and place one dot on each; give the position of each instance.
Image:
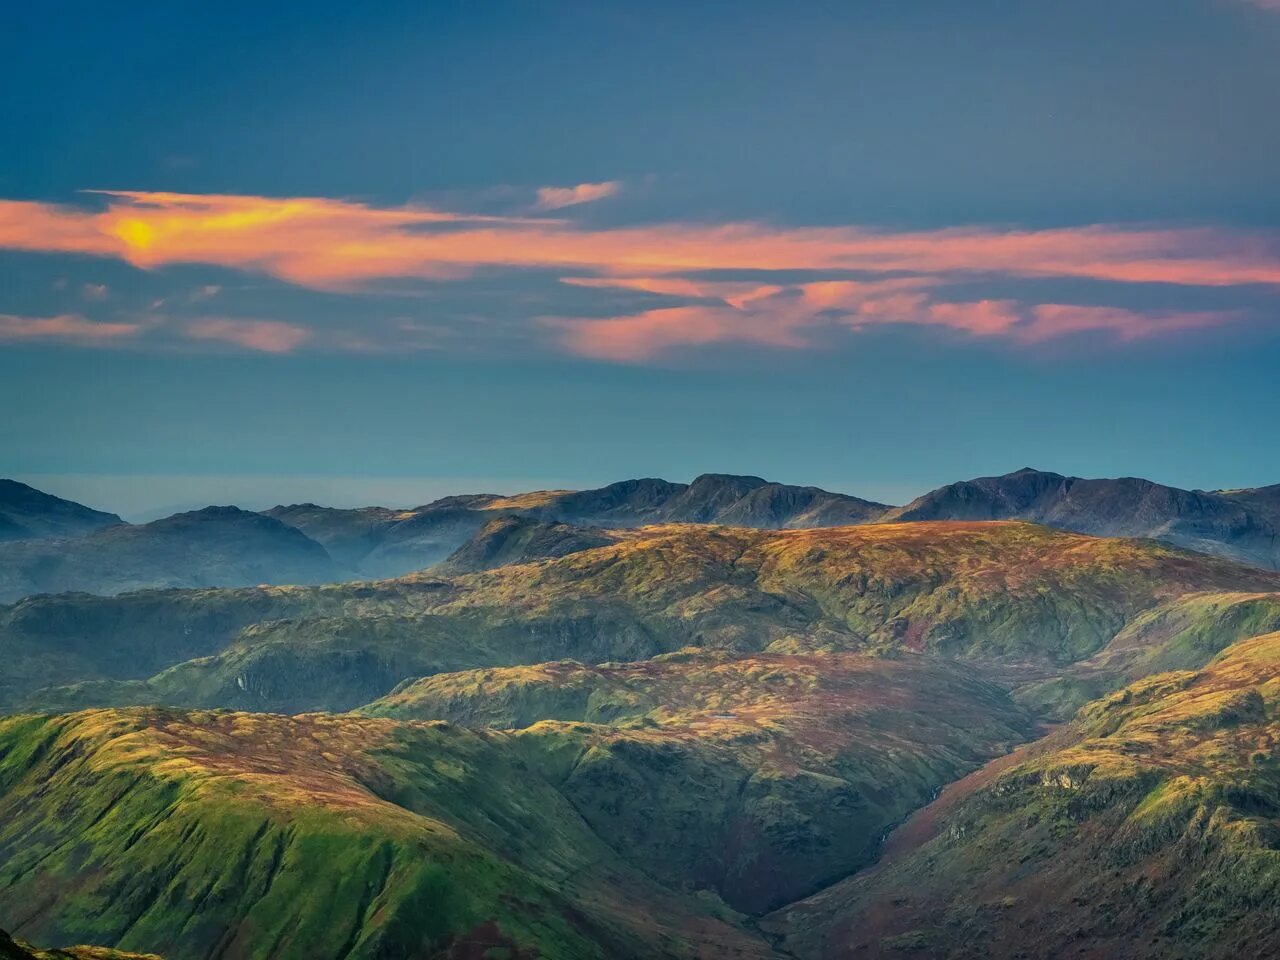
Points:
(387, 252)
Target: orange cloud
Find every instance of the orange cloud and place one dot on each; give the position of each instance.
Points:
(553, 198)
(267, 336)
(342, 245)
(335, 244)
(67, 327)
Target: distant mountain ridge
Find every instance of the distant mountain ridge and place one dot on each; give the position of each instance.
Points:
(308, 543)
(1240, 524)
(30, 514)
(382, 543)
(216, 546)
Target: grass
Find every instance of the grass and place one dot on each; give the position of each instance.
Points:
(1148, 828)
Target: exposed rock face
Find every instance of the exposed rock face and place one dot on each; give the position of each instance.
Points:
(1239, 524)
(28, 514)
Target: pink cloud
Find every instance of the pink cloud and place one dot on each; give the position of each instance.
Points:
(791, 316)
(266, 336)
(335, 244)
(1047, 321)
(67, 327)
(553, 198)
(643, 336)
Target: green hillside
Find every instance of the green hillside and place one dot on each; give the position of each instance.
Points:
(1148, 828)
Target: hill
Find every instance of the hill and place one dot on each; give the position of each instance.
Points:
(753, 781)
(1028, 598)
(1147, 828)
(29, 514)
(1242, 524)
(216, 546)
(510, 540)
(322, 837)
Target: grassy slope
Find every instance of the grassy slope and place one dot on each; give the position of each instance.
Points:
(1008, 591)
(312, 837)
(1180, 634)
(763, 777)
(1147, 829)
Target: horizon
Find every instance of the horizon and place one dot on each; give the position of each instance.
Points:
(135, 500)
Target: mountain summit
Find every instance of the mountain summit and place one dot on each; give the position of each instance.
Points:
(30, 514)
(1241, 524)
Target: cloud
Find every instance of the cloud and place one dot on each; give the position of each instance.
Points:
(66, 327)
(553, 198)
(340, 245)
(266, 336)
(335, 244)
(792, 317)
(95, 291)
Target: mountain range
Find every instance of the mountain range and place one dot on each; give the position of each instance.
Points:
(654, 720)
(66, 547)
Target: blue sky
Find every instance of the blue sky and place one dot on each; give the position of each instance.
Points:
(354, 255)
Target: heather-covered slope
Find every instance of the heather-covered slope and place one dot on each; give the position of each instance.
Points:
(216, 546)
(1008, 592)
(1149, 828)
(1241, 524)
(30, 514)
(320, 837)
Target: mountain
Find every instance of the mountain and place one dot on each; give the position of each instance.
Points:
(1243, 524)
(1148, 828)
(1030, 599)
(385, 543)
(216, 546)
(304, 838)
(509, 540)
(28, 514)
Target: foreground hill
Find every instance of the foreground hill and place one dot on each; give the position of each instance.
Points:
(1241, 524)
(29, 514)
(742, 781)
(12, 950)
(1027, 597)
(315, 837)
(216, 546)
(1146, 829)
